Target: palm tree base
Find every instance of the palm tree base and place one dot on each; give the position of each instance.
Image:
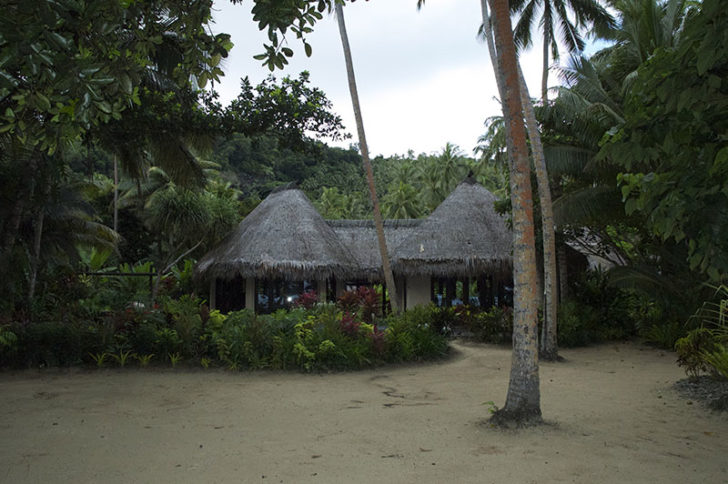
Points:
(550, 355)
(507, 418)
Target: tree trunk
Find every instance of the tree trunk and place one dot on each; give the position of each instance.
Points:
(38, 235)
(523, 402)
(35, 256)
(388, 276)
(11, 228)
(545, 72)
(488, 31)
(116, 195)
(563, 274)
(549, 348)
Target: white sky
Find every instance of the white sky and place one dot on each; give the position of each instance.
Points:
(423, 77)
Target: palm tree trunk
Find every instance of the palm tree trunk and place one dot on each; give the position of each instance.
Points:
(563, 274)
(523, 402)
(37, 238)
(488, 32)
(116, 194)
(35, 256)
(545, 71)
(388, 276)
(549, 349)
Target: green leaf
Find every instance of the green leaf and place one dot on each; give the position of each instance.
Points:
(720, 164)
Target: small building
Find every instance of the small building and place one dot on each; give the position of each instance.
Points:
(460, 254)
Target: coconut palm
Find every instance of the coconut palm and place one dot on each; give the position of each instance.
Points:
(401, 201)
(386, 267)
(556, 15)
(549, 348)
(523, 400)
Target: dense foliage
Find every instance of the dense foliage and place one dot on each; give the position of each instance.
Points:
(635, 145)
(183, 330)
(705, 349)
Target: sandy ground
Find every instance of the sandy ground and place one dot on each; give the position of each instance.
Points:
(612, 417)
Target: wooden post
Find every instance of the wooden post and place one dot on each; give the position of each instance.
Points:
(213, 294)
(321, 290)
(250, 295)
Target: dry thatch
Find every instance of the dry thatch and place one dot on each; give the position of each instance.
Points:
(283, 237)
(360, 236)
(464, 236)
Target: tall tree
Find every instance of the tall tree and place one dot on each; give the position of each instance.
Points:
(69, 68)
(672, 147)
(523, 402)
(384, 254)
(555, 16)
(549, 346)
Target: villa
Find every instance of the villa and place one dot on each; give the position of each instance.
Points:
(284, 247)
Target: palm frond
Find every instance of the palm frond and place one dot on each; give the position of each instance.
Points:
(173, 156)
(522, 31)
(563, 160)
(586, 205)
(569, 32)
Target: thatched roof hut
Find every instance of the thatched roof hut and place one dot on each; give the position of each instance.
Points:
(283, 237)
(464, 236)
(360, 236)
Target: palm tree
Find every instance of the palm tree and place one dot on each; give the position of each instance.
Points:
(555, 16)
(549, 346)
(388, 276)
(523, 402)
(402, 201)
(452, 167)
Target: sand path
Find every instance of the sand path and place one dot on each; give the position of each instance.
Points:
(612, 415)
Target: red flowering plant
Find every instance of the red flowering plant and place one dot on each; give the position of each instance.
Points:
(364, 301)
(369, 303)
(349, 325)
(377, 339)
(307, 300)
(349, 301)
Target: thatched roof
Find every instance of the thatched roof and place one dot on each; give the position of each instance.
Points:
(463, 236)
(283, 237)
(360, 237)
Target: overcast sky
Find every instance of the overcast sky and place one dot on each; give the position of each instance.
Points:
(423, 77)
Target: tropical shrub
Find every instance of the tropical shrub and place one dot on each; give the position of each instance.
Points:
(493, 326)
(364, 301)
(412, 335)
(8, 344)
(307, 300)
(691, 350)
(704, 348)
(576, 324)
(597, 311)
(324, 337)
(186, 321)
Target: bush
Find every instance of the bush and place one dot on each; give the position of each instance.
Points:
(576, 324)
(364, 302)
(186, 322)
(320, 338)
(597, 312)
(718, 360)
(664, 335)
(704, 348)
(493, 326)
(413, 335)
(49, 344)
